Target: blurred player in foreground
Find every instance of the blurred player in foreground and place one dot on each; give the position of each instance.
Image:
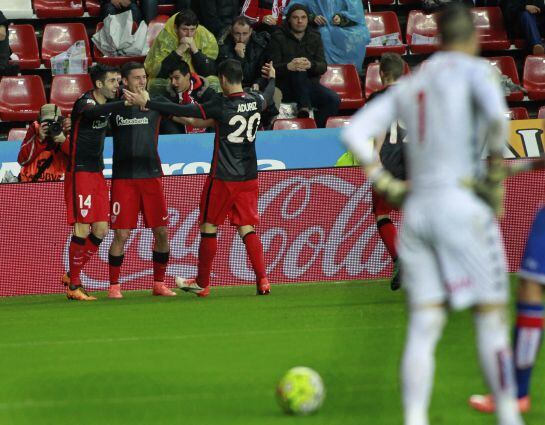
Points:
(449, 245)
(529, 322)
(231, 189)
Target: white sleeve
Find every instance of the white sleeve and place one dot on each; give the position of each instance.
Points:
(373, 120)
(490, 99)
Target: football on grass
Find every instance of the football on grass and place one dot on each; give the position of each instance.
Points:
(300, 391)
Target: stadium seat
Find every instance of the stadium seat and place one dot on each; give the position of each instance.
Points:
(294, 124)
(533, 78)
(58, 38)
(16, 134)
(382, 2)
(383, 23)
(337, 122)
(58, 8)
(114, 60)
(541, 112)
(155, 27)
(373, 82)
(92, 7)
(166, 9)
(420, 24)
(66, 89)
(22, 40)
(489, 22)
(518, 113)
(344, 80)
(408, 2)
(21, 97)
(507, 66)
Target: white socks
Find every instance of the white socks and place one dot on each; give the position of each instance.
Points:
(497, 363)
(418, 365)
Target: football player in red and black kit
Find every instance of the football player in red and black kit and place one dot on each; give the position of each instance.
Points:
(86, 193)
(136, 183)
(231, 189)
(391, 156)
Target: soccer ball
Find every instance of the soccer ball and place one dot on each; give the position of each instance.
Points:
(301, 391)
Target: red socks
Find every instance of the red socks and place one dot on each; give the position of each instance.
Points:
(388, 234)
(254, 248)
(207, 252)
(80, 252)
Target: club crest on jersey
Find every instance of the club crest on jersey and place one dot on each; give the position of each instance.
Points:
(84, 213)
(247, 107)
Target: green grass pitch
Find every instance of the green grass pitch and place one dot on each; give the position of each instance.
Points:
(185, 360)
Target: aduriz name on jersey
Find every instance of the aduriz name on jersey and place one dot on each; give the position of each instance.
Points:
(246, 107)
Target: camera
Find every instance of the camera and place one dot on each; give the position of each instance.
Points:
(50, 114)
(54, 127)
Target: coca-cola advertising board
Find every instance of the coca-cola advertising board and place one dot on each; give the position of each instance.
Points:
(316, 225)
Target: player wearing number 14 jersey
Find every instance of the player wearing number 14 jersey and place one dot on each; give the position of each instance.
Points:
(231, 189)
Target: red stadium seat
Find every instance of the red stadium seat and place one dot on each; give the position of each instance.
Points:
(541, 112)
(114, 60)
(21, 98)
(337, 122)
(382, 2)
(533, 78)
(16, 134)
(155, 27)
(344, 80)
(383, 23)
(58, 38)
(66, 89)
(58, 8)
(421, 24)
(408, 2)
(518, 113)
(166, 9)
(373, 82)
(489, 22)
(507, 66)
(294, 124)
(92, 7)
(22, 40)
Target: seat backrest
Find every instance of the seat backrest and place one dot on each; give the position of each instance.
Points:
(17, 134)
(22, 40)
(420, 23)
(337, 122)
(541, 112)
(59, 37)
(66, 89)
(489, 22)
(155, 27)
(518, 113)
(23, 96)
(343, 79)
(507, 66)
(534, 70)
(294, 124)
(381, 23)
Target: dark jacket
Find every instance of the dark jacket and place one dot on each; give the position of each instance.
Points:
(512, 9)
(284, 47)
(217, 15)
(5, 51)
(254, 58)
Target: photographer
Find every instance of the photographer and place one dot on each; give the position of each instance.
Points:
(45, 149)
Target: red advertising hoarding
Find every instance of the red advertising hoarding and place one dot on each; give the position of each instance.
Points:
(316, 225)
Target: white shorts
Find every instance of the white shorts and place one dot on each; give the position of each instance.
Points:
(450, 250)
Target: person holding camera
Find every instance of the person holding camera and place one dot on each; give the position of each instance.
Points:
(46, 147)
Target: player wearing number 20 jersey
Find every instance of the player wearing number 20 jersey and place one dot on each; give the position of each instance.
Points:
(231, 189)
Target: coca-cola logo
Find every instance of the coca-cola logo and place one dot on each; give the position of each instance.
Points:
(312, 227)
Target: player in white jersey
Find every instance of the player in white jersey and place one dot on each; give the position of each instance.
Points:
(449, 245)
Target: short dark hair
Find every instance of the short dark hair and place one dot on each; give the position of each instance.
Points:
(297, 6)
(241, 20)
(99, 71)
(183, 67)
(455, 23)
(392, 65)
(129, 66)
(186, 17)
(231, 69)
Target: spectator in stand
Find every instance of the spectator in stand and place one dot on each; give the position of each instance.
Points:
(150, 7)
(187, 87)
(181, 40)
(342, 26)
(297, 53)
(5, 51)
(217, 15)
(265, 15)
(529, 15)
(46, 147)
(113, 7)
